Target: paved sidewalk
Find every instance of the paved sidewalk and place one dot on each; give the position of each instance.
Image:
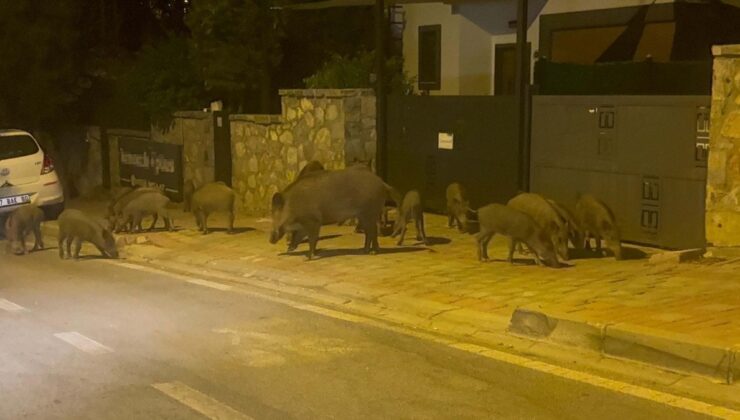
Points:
(445, 282)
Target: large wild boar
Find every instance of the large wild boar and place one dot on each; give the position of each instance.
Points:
(598, 222)
(575, 234)
(188, 188)
(457, 206)
(151, 204)
(330, 197)
(312, 166)
(410, 209)
(115, 211)
(213, 197)
(519, 227)
(546, 217)
(20, 224)
(75, 226)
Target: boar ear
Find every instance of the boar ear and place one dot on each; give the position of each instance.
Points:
(278, 201)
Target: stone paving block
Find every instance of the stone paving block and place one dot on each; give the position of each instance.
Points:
(423, 307)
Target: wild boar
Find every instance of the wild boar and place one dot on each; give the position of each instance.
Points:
(457, 206)
(598, 222)
(213, 197)
(546, 217)
(151, 204)
(575, 234)
(19, 224)
(75, 226)
(410, 209)
(188, 188)
(115, 211)
(312, 166)
(519, 227)
(330, 197)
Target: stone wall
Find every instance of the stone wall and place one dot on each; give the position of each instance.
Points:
(335, 127)
(723, 176)
(193, 130)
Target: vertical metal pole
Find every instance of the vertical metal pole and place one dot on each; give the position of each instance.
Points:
(522, 92)
(381, 155)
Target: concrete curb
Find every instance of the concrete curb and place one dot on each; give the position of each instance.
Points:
(676, 352)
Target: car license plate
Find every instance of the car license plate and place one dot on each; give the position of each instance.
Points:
(14, 201)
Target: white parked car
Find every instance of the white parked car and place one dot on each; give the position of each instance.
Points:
(27, 175)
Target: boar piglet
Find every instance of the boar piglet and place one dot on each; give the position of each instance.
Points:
(575, 234)
(20, 224)
(75, 226)
(410, 209)
(539, 209)
(115, 213)
(598, 222)
(151, 204)
(457, 206)
(210, 198)
(519, 227)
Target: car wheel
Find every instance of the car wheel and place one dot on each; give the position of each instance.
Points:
(52, 212)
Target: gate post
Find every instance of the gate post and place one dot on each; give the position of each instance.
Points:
(522, 92)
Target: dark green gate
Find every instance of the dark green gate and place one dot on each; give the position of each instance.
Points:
(436, 140)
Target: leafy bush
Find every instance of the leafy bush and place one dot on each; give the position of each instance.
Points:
(346, 72)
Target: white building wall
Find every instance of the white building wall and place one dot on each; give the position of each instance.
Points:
(468, 50)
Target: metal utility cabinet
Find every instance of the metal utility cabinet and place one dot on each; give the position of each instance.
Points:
(644, 156)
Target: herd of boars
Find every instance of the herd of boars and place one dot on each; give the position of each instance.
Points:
(319, 197)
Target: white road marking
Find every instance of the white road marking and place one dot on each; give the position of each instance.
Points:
(199, 401)
(211, 284)
(88, 345)
(676, 401)
(9, 306)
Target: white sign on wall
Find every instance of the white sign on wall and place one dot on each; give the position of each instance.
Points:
(445, 141)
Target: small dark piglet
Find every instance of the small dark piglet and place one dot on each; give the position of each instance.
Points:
(19, 224)
(213, 197)
(457, 206)
(152, 204)
(519, 227)
(410, 209)
(75, 226)
(598, 222)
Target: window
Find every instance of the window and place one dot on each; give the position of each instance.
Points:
(430, 57)
(15, 146)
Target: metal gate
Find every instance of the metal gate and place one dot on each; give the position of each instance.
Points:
(222, 147)
(436, 140)
(644, 156)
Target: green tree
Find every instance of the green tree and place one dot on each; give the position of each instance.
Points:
(164, 80)
(236, 45)
(41, 71)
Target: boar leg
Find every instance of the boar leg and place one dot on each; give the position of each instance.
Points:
(482, 238)
(22, 240)
(39, 243)
(78, 247)
(154, 222)
(371, 234)
(512, 245)
(312, 229)
(403, 232)
(204, 222)
(69, 246)
(60, 245)
(450, 218)
(421, 234)
(231, 222)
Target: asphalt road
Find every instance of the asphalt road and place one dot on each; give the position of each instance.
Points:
(165, 348)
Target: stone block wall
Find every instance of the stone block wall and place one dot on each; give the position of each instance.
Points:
(193, 130)
(335, 127)
(723, 176)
